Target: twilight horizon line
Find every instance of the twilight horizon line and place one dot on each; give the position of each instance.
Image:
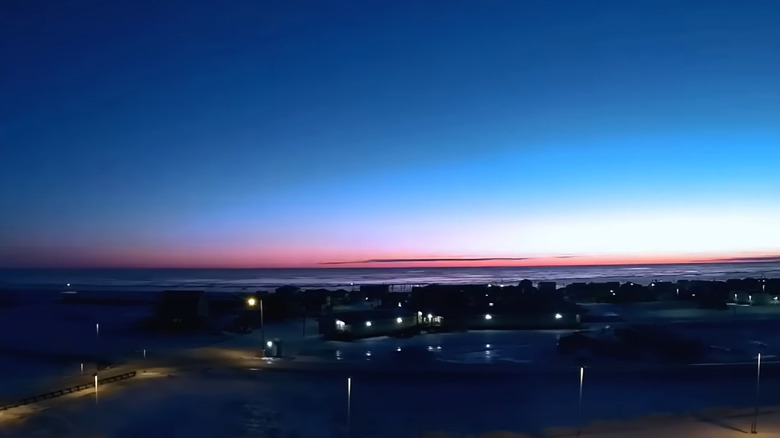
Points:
(448, 262)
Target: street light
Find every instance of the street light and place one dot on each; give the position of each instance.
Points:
(579, 414)
(252, 302)
(349, 405)
(754, 425)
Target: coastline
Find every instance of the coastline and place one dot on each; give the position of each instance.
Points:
(251, 280)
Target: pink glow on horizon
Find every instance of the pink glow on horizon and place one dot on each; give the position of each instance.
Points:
(328, 258)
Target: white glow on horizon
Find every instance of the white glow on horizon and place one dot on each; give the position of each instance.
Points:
(716, 231)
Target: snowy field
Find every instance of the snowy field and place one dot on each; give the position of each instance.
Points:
(260, 403)
(267, 404)
(44, 340)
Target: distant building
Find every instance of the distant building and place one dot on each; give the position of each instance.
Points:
(366, 323)
(752, 298)
(182, 308)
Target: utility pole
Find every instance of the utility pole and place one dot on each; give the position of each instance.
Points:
(754, 426)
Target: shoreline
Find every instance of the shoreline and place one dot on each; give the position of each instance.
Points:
(251, 280)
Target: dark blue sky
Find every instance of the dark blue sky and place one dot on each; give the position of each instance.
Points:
(292, 133)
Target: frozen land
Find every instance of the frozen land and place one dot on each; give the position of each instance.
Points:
(480, 383)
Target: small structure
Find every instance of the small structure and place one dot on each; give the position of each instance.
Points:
(752, 298)
(366, 323)
(273, 348)
(182, 308)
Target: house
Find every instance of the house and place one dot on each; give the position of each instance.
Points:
(552, 319)
(750, 298)
(182, 308)
(366, 323)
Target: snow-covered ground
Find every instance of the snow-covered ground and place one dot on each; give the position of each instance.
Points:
(212, 403)
(261, 403)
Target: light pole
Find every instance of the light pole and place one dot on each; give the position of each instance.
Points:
(754, 426)
(349, 405)
(579, 413)
(262, 326)
(252, 302)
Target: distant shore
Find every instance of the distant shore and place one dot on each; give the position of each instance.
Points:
(249, 280)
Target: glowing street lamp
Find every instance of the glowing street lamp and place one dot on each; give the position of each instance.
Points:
(252, 302)
(558, 316)
(488, 317)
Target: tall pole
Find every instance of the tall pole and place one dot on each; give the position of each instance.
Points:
(579, 413)
(262, 326)
(349, 405)
(96, 388)
(754, 426)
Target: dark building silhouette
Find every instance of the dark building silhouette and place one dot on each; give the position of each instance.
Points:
(182, 309)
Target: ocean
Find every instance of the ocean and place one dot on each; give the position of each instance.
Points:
(232, 280)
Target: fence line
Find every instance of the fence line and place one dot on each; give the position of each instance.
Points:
(68, 390)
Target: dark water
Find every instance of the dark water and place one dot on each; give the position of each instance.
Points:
(249, 279)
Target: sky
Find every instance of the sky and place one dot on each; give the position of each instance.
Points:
(388, 133)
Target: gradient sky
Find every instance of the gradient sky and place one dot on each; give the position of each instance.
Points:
(394, 133)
